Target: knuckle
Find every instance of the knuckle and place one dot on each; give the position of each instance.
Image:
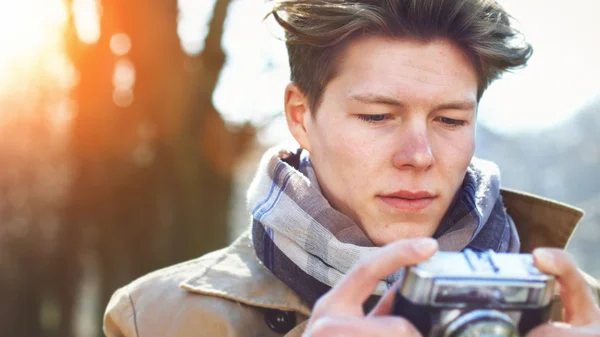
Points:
(322, 306)
(323, 326)
(365, 269)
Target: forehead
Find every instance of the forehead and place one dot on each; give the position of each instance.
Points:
(405, 67)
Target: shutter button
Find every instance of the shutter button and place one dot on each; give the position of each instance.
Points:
(280, 321)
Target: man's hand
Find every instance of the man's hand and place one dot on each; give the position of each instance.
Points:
(340, 313)
(581, 314)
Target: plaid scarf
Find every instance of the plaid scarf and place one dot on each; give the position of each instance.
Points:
(310, 246)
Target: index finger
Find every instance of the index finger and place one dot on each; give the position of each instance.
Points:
(359, 283)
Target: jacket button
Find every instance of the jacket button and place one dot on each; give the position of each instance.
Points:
(280, 321)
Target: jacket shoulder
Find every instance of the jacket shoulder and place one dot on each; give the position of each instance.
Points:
(223, 293)
(151, 300)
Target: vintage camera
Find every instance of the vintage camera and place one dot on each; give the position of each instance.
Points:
(471, 294)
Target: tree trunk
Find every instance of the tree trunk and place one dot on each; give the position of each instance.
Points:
(154, 179)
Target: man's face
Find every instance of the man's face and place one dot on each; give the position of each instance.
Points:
(393, 135)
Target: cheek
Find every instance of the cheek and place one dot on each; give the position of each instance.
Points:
(355, 149)
(454, 155)
(344, 156)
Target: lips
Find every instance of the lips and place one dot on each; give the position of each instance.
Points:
(408, 200)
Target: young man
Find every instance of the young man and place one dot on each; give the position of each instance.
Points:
(383, 104)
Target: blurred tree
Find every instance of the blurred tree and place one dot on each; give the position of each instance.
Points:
(33, 177)
(33, 181)
(22, 265)
(153, 167)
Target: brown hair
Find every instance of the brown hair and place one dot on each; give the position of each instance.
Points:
(317, 31)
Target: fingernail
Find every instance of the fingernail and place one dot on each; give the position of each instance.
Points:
(426, 245)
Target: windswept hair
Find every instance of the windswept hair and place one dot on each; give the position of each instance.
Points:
(317, 32)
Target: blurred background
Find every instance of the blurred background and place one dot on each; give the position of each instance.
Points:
(130, 130)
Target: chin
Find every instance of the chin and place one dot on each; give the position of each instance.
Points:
(401, 231)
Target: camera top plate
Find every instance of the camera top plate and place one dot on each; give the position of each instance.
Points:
(486, 279)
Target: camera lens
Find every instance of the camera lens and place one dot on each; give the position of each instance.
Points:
(482, 323)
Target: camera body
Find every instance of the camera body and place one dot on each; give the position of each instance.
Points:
(475, 294)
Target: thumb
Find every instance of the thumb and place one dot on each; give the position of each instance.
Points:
(579, 305)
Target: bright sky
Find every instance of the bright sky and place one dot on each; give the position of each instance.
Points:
(563, 73)
(562, 76)
(29, 36)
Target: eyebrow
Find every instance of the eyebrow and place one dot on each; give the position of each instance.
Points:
(376, 99)
(465, 104)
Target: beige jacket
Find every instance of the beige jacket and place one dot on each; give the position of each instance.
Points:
(229, 293)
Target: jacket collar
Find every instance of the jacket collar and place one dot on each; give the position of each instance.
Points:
(540, 222)
(235, 273)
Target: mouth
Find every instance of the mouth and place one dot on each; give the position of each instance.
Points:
(408, 201)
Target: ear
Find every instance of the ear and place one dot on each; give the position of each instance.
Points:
(297, 114)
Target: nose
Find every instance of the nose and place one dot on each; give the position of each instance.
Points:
(414, 149)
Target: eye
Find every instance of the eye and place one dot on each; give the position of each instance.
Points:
(374, 119)
(450, 122)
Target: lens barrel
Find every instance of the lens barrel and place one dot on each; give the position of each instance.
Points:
(482, 323)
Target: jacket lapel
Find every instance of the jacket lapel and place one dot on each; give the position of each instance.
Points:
(540, 222)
